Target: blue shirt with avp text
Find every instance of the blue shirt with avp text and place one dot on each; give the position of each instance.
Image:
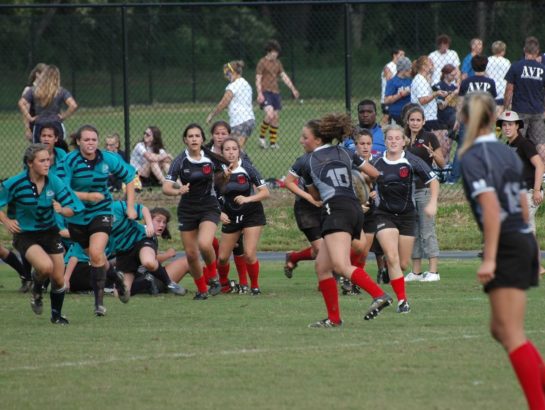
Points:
(528, 79)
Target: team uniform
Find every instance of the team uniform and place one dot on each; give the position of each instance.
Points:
(84, 175)
(307, 216)
(241, 182)
(395, 191)
(517, 263)
(200, 203)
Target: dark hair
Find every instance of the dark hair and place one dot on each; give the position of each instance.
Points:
(408, 113)
(162, 211)
(193, 125)
(360, 132)
(220, 123)
(405, 110)
(396, 51)
(367, 102)
(233, 139)
(205, 148)
(531, 45)
(334, 127)
(314, 127)
(51, 126)
(86, 127)
(442, 39)
(273, 45)
(157, 143)
(479, 63)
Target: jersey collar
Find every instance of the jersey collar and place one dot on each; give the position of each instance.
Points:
(486, 138)
(389, 161)
(321, 147)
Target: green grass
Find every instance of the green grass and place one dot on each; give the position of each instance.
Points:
(240, 352)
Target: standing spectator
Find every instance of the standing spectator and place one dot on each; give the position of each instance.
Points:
(33, 77)
(367, 118)
(446, 113)
(423, 95)
(267, 72)
(442, 56)
(497, 68)
(525, 94)
(238, 97)
(112, 143)
(388, 72)
(149, 156)
(398, 89)
(476, 46)
(47, 98)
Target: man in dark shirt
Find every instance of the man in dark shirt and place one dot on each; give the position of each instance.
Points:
(525, 94)
(478, 81)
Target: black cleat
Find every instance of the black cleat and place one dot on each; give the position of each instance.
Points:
(288, 271)
(214, 288)
(200, 296)
(60, 320)
(325, 323)
(255, 291)
(152, 286)
(403, 307)
(36, 303)
(377, 305)
(122, 290)
(100, 311)
(176, 289)
(26, 285)
(243, 289)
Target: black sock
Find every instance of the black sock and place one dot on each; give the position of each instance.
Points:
(57, 299)
(27, 267)
(98, 280)
(162, 275)
(37, 284)
(13, 261)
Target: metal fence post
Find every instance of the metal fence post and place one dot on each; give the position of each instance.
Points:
(347, 59)
(124, 53)
(193, 71)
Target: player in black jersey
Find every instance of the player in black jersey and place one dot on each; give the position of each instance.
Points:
(328, 176)
(495, 188)
(395, 212)
(198, 209)
(242, 212)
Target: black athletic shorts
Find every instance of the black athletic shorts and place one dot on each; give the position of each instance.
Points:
(342, 214)
(517, 263)
(369, 222)
(129, 261)
(82, 233)
(50, 241)
(272, 99)
(307, 215)
(256, 217)
(190, 217)
(80, 281)
(312, 234)
(404, 223)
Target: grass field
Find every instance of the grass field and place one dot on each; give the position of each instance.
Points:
(239, 352)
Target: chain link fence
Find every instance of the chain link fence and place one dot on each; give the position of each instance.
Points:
(131, 66)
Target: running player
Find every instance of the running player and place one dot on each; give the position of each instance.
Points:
(87, 170)
(242, 213)
(510, 258)
(33, 197)
(395, 214)
(328, 175)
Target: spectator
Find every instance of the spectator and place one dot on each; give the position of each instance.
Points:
(526, 91)
(398, 89)
(46, 99)
(238, 97)
(33, 77)
(442, 56)
(497, 68)
(367, 118)
(267, 72)
(476, 46)
(446, 113)
(388, 72)
(112, 144)
(149, 156)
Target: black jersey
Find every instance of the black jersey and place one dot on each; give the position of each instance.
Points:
(396, 184)
(297, 171)
(329, 169)
(198, 173)
(489, 166)
(240, 182)
(525, 150)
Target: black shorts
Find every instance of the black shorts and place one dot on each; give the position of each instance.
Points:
(385, 109)
(313, 234)
(50, 241)
(82, 233)
(80, 281)
(240, 221)
(342, 214)
(129, 261)
(272, 99)
(404, 223)
(189, 218)
(369, 222)
(306, 215)
(517, 263)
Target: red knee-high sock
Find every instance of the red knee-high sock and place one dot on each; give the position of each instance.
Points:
(526, 366)
(398, 285)
(253, 273)
(355, 259)
(363, 280)
(224, 274)
(216, 246)
(212, 270)
(302, 255)
(242, 271)
(540, 361)
(201, 284)
(328, 287)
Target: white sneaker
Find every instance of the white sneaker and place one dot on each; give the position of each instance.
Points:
(274, 146)
(412, 277)
(431, 277)
(262, 143)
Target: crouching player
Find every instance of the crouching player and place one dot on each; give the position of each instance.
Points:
(33, 197)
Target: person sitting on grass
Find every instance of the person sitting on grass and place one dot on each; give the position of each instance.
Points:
(150, 158)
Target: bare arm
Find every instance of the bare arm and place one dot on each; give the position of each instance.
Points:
(72, 107)
(537, 162)
(150, 230)
(224, 102)
(286, 79)
(431, 207)
(508, 96)
(262, 193)
(258, 88)
(24, 107)
(129, 190)
(291, 185)
(369, 170)
(70, 266)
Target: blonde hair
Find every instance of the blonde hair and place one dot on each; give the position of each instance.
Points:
(234, 66)
(478, 112)
(38, 69)
(418, 65)
(48, 85)
(395, 127)
(115, 137)
(498, 47)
